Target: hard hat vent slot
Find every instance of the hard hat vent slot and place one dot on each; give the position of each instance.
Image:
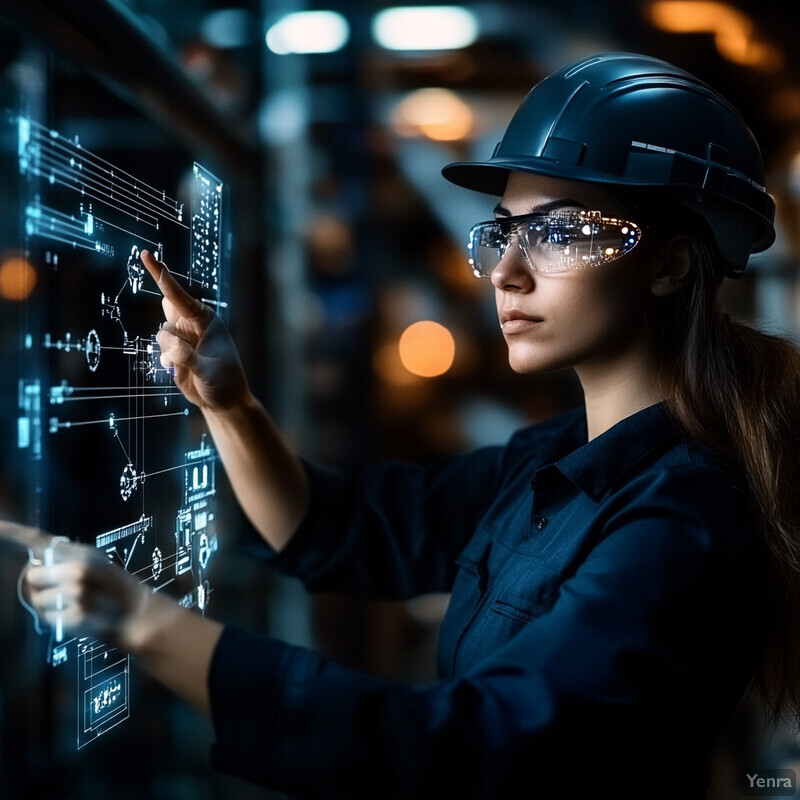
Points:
(564, 150)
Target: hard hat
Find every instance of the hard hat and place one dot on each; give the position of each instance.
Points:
(629, 120)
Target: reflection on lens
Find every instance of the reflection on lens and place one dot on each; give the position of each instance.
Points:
(555, 242)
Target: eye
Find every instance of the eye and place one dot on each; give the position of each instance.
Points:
(493, 236)
(555, 231)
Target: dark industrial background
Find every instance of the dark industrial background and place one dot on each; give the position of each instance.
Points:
(344, 234)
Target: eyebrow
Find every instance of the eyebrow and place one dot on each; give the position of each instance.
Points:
(500, 210)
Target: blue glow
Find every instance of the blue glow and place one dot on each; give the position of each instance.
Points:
(86, 223)
(228, 27)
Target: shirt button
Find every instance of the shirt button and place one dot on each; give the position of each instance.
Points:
(540, 523)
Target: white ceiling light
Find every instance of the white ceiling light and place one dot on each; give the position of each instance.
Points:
(308, 32)
(425, 28)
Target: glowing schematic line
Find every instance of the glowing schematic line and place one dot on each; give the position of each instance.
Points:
(167, 469)
(134, 346)
(102, 187)
(124, 450)
(125, 230)
(94, 646)
(102, 171)
(131, 551)
(54, 176)
(118, 388)
(217, 303)
(44, 153)
(155, 394)
(60, 227)
(55, 423)
(142, 525)
(169, 563)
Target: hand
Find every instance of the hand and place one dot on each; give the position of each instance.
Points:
(75, 588)
(196, 346)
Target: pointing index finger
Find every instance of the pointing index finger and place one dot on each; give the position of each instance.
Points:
(25, 537)
(169, 287)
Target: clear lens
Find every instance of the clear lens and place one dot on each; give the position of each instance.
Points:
(555, 242)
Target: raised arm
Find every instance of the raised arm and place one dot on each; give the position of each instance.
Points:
(266, 476)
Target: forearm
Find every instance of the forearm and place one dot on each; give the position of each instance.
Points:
(174, 645)
(266, 476)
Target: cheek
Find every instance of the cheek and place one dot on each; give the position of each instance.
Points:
(608, 307)
(595, 314)
(584, 321)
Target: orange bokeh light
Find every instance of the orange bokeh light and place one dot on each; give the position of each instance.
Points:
(436, 113)
(734, 33)
(17, 278)
(427, 349)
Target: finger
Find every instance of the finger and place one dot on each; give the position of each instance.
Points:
(33, 540)
(183, 302)
(19, 535)
(175, 351)
(72, 562)
(47, 598)
(42, 579)
(59, 612)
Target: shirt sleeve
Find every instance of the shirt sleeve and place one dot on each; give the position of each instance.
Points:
(394, 531)
(617, 691)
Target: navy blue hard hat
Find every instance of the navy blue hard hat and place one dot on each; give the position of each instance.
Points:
(629, 120)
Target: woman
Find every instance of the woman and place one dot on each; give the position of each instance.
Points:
(619, 574)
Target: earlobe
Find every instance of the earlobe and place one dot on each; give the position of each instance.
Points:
(673, 267)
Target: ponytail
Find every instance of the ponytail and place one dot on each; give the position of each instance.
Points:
(736, 389)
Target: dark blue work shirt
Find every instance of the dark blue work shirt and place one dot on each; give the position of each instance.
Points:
(606, 613)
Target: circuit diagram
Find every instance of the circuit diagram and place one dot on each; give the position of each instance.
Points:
(117, 456)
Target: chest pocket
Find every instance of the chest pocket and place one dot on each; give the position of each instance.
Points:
(520, 586)
(498, 591)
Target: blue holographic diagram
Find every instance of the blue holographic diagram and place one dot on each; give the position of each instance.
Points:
(114, 454)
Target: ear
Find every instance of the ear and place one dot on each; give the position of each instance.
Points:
(672, 266)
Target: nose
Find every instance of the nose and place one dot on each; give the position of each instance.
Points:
(512, 272)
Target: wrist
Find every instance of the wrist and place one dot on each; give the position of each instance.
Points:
(145, 623)
(173, 644)
(245, 407)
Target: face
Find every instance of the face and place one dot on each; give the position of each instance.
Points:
(591, 317)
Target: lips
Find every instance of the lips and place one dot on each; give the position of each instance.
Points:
(515, 321)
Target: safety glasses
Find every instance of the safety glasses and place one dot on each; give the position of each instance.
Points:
(558, 241)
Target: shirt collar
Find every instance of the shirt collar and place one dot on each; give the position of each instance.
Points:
(597, 465)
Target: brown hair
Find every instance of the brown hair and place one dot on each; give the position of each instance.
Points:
(736, 389)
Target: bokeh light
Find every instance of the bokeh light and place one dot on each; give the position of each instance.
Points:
(308, 32)
(425, 28)
(735, 34)
(427, 349)
(436, 113)
(17, 278)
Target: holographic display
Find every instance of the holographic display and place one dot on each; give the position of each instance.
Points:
(115, 455)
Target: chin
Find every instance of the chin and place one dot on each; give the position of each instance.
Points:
(528, 366)
(524, 362)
